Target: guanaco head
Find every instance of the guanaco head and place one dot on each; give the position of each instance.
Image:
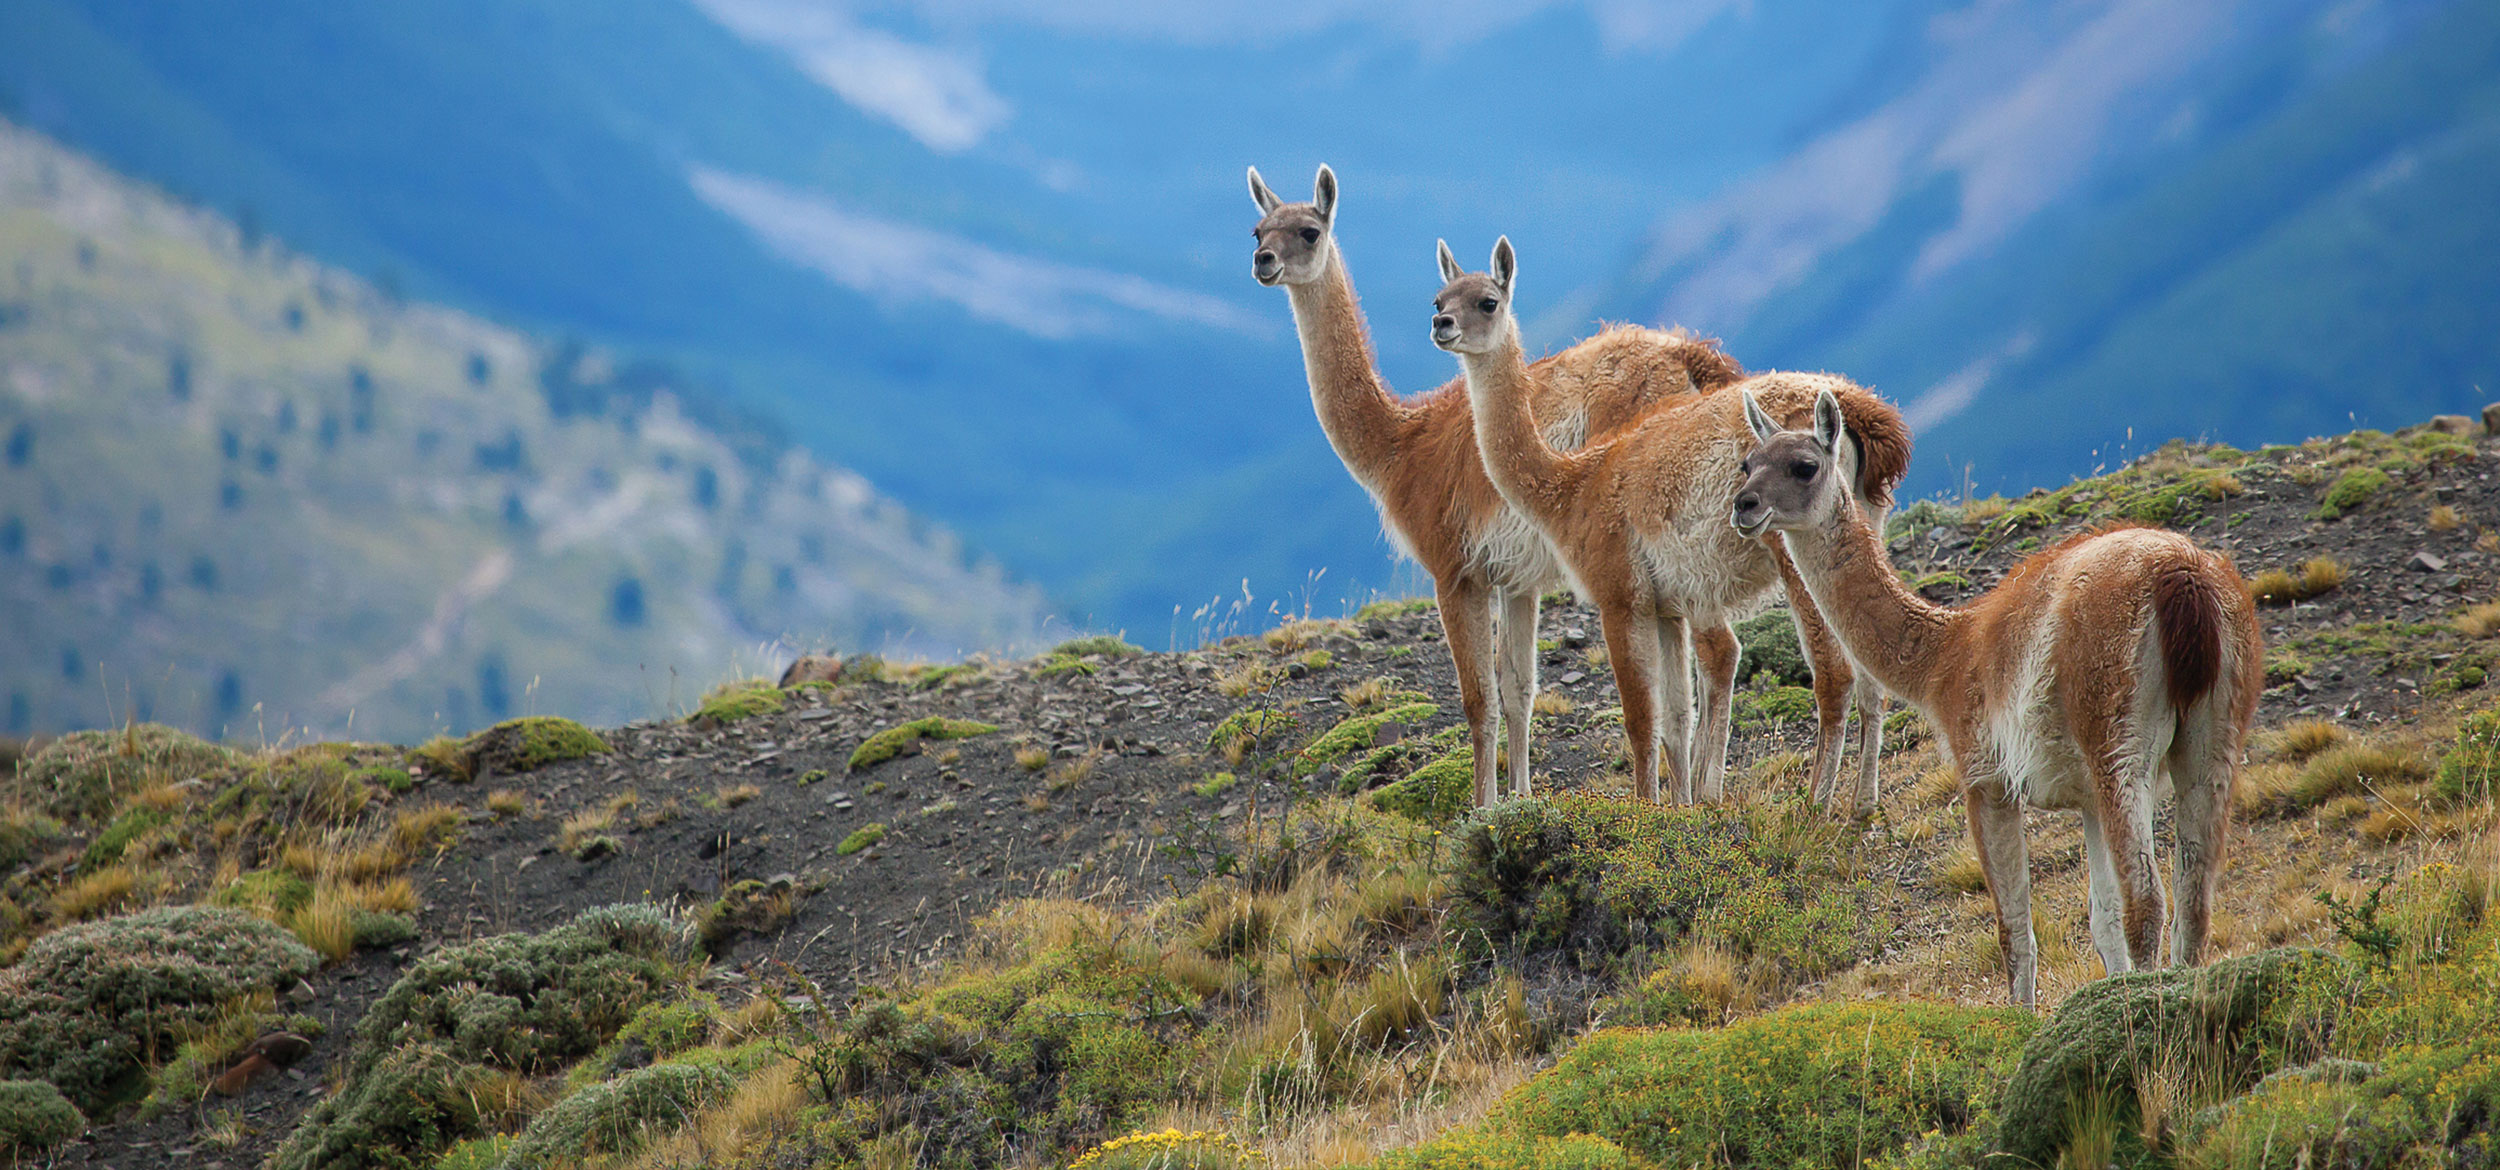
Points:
(1789, 479)
(1293, 238)
(1472, 313)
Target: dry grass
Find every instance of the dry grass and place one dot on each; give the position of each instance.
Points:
(1981, 511)
(2316, 576)
(2355, 769)
(2445, 518)
(584, 825)
(1553, 703)
(2300, 739)
(2478, 621)
(1937, 787)
(1032, 757)
(431, 827)
(1293, 637)
(1959, 870)
(1247, 678)
(733, 795)
(327, 924)
(506, 802)
(1037, 802)
(94, 895)
(1074, 770)
(1368, 694)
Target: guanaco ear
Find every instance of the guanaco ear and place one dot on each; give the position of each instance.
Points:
(1764, 427)
(1260, 195)
(1505, 263)
(1828, 427)
(1324, 194)
(1450, 270)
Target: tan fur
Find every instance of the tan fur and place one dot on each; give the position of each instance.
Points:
(1639, 519)
(2063, 687)
(1417, 457)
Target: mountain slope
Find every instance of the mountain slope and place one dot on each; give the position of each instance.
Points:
(243, 492)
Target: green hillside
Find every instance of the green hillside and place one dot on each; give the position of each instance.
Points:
(242, 492)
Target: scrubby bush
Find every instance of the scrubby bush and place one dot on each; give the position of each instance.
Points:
(2222, 1026)
(730, 704)
(891, 742)
(1477, 1148)
(85, 774)
(1589, 879)
(34, 1120)
(460, 1017)
(1770, 651)
(2471, 769)
(25, 836)
(618, 1116)
(1438, 793)
(88, 1004)
(1356, 734)
(524, 745)
(1251, 729)
(1106, 645)
(1171, 1149)
(1820, 1085)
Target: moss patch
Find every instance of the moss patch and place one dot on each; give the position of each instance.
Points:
(892, 741)
(864, 837)
(1357, 733)
(1437, 793)
(731, 704)
(2351, 490)
(1251, 729)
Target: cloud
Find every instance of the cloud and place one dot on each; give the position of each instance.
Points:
(936, 95)
(899, 262)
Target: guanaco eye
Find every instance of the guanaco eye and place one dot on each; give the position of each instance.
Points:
(1310, 235)
(1488, 305)
(1802, 469)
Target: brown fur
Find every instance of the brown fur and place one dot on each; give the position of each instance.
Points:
(1662, 484)
(1417, 457)
(2065, 637)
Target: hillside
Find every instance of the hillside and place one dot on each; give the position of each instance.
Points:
(247, 494)
(1046, 903)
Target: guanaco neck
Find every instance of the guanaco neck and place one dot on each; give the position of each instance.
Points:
(1530, 474)
(1906, 642)
(1356, 410)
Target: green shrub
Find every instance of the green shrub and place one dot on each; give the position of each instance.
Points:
(34, 1120)
(84, 774)
(1387, 608)
(375, 929)
(25, 836)
(618, 1116)
(1355, 734)
(1819, 1085)
(2351, 490)
(1106, 645)
(864, 837)
(1774, 707)
(1590, 879)
(2223, 1025)
(731, 704)
(1438, 793)
(528, 744)
(1770, 650)
(515, 1003)
(116, 838)
(2469, 770)
(88, 1004)
(1478, 1148)
(1254, 728)
(271, 893)
(889, 743)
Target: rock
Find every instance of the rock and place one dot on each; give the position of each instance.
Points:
(819, 668)
(1575, 637)
(2454, 424)
(1572, 676)
(1388, 733)
(2491, 419)
(282, 1049)
(2427, 562)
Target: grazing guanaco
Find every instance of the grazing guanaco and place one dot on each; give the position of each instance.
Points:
(1417, 458)
(2099, 662)
(1637, 518)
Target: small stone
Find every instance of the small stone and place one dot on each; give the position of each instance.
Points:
(2429, 562)
(2453, 424)
(1572, 676)
(1297, 670)
(1575, 637)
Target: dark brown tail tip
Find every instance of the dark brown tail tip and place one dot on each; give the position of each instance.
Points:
(2190, 617)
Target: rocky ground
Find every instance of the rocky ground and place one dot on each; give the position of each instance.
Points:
(1103, 778)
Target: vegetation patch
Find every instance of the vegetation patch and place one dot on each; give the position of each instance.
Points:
(86, 774)
(748, 907)
(1819, 1085)
(35, 1119)
(864, 837)
(1357, 733)
(1394, 608)
(87, 1005)
(1251, 729)
(618, 1116)
(1771, 651)
(1437, 793)
(893, 741)
(2470, 771)
(1776, 707)
(2351, 490)
(731, 704)
(1587, 879)
(528, 744)
(420, 1075)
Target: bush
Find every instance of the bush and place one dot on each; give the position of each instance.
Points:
(456, 1018)
(1820, 1085)
(87, 1004)
(1171, 1149)
(525, 745)
(889, 743)
(1476, 1148)
(618, 1116)
(2470, 768)
(35, 1119)
(25, 836)
(731, 704)
(1770, 650)
(1589, 879)
(85, 774)
(1438, 793)
(1355, 734)
(1106, 645)
(1251, 729)
(2227, 1024)
(2351, 490)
